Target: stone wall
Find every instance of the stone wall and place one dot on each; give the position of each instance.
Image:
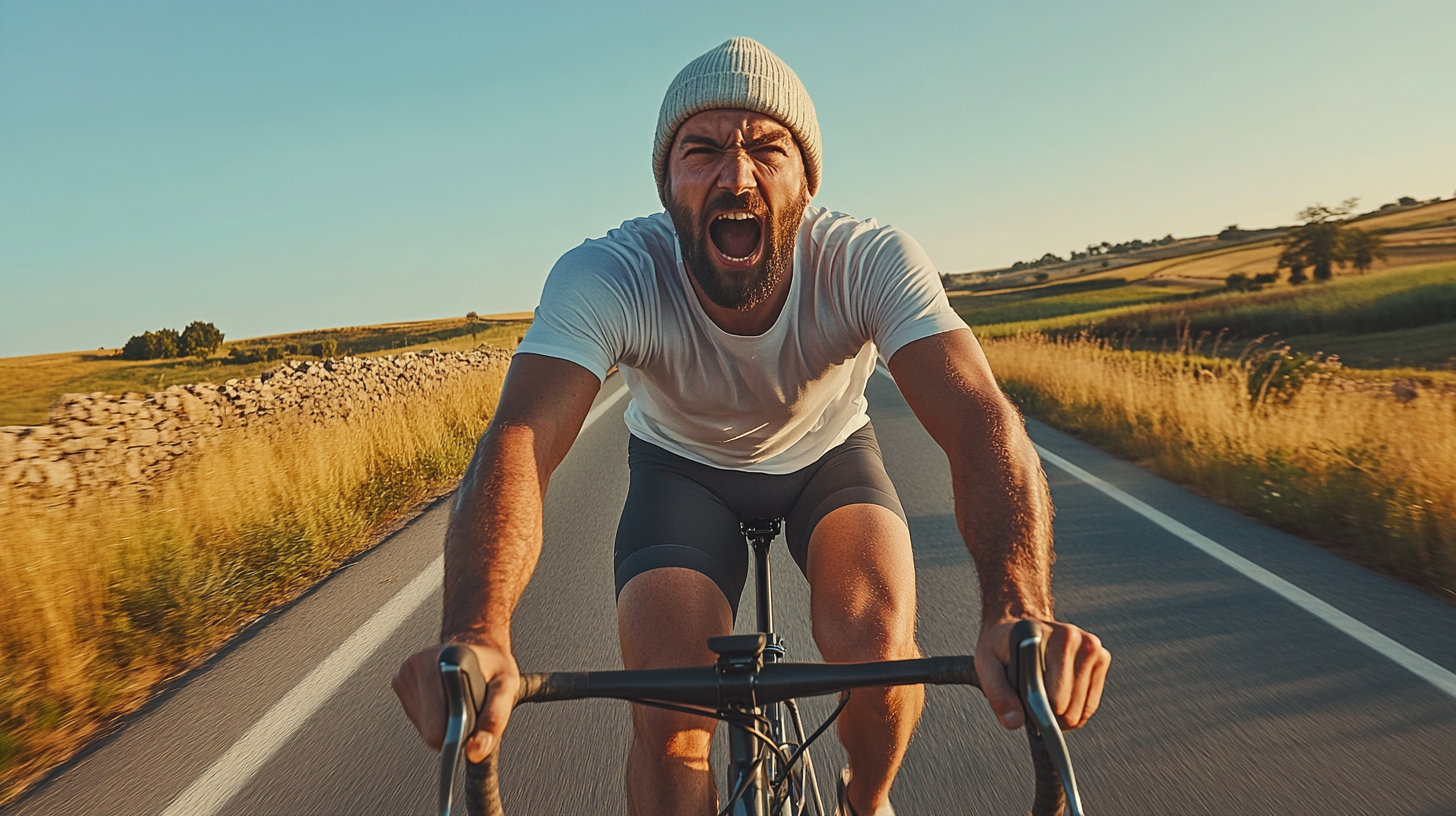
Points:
(97, 441)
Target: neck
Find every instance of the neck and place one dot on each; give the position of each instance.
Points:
(747, 322)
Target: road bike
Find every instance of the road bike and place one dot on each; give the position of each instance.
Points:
(751, 688)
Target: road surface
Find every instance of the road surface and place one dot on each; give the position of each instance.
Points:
(1252, 673)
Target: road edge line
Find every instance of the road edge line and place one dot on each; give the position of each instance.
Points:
(232, 771)
(1403, 656)
(236, 767)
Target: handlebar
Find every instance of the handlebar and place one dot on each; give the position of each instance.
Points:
(776, 682)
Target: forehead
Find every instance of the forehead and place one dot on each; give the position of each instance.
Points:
(723, 124)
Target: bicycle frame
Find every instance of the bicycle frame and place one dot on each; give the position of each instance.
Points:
(748, 684)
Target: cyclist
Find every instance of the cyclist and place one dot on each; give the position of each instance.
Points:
(746, 323)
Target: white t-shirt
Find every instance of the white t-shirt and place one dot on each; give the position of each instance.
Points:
(772, 403)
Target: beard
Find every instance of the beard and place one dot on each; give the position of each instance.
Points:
(739, 290)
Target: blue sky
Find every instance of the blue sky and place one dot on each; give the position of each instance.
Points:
(277, 166)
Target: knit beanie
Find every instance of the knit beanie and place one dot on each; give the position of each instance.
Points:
(740, 73)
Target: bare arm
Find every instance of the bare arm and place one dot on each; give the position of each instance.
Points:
(494, 540)
(1004, 512)
(494, 537)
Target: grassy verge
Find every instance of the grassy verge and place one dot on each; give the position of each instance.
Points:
(1335, 460)
(113, 594)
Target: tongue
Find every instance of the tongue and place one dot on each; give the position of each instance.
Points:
(736, 239)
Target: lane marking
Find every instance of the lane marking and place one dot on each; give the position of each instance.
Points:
(1416, 664)
(232, 771)
(603, 406)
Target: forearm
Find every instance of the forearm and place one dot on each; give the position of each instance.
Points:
(494, 538)
(1004, 511)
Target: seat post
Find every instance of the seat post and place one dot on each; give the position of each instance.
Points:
(761, 533)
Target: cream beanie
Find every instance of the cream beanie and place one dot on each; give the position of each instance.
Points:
(740, 73)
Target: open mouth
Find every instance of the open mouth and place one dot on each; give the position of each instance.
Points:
(737, 237)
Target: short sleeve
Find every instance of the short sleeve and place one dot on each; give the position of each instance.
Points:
(905, 299)
(583, 311)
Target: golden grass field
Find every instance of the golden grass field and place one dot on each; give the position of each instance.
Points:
(114, 593)
(30, 385)
(1339, 461)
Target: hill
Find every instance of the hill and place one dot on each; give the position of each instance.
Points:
(30, 385)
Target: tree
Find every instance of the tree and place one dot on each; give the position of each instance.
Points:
(1361, 248)
(472, 318)
(157, 345)
(1317, 244)
(326, 348)
(199, 340)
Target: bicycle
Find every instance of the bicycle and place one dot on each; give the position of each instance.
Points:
(750, 687)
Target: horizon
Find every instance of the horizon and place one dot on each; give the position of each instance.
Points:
(274, 169)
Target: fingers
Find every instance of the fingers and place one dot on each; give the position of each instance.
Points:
(1076, 670)
(417, 685)
(421, 694)
(500, 700)
(991, 658)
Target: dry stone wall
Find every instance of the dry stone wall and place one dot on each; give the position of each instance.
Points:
(96, 440)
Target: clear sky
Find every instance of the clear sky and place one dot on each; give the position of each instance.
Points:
(277, 166)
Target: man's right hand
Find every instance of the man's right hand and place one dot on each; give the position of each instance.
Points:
(417, 684)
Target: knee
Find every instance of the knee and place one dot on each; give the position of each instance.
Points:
(671, 737)
(884, 631)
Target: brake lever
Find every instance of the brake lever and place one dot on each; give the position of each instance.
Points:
(1030, 659)
(456, 664)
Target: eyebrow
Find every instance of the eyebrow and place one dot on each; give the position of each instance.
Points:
(750, 144)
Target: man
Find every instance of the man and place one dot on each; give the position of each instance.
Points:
(746, 324)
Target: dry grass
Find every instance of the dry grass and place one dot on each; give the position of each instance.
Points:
(1338, 461)
(109, 595)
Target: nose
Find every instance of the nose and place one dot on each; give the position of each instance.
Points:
(737, 174)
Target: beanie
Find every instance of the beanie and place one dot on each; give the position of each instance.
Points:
(740, 73)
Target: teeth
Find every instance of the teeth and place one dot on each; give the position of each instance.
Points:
(736, 260)
(738, 216)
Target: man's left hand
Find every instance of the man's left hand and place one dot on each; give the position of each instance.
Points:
(1076, 669)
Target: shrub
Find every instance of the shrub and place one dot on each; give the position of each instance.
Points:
(199, 340)
(326, 348)
(272, 353)
(158, 345)
(292, 349)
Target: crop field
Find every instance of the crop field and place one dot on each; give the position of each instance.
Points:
(30, 385)
(1057, 301)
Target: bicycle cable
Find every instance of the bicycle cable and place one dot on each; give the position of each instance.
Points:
(745, 722)
(818, 732)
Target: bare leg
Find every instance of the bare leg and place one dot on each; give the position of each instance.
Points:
(862, 579)
(664, 619)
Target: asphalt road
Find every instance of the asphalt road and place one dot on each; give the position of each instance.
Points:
(1225, 696)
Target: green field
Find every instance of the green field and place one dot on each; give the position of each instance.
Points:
(1404, 318)
(1057, 301)
(29, 386)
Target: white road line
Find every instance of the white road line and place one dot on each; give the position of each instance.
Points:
(604, 406)
(235, 769)
(1407, 659)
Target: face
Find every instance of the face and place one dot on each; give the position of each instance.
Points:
(736, 192)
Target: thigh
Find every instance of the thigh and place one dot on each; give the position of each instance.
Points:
(862, 585)
(851, 474)
(671, 520)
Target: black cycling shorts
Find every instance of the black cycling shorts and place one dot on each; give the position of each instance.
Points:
(681, 513)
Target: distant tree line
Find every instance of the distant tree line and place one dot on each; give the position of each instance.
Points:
(1094, 250)
(267, 354)
(198, 340)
